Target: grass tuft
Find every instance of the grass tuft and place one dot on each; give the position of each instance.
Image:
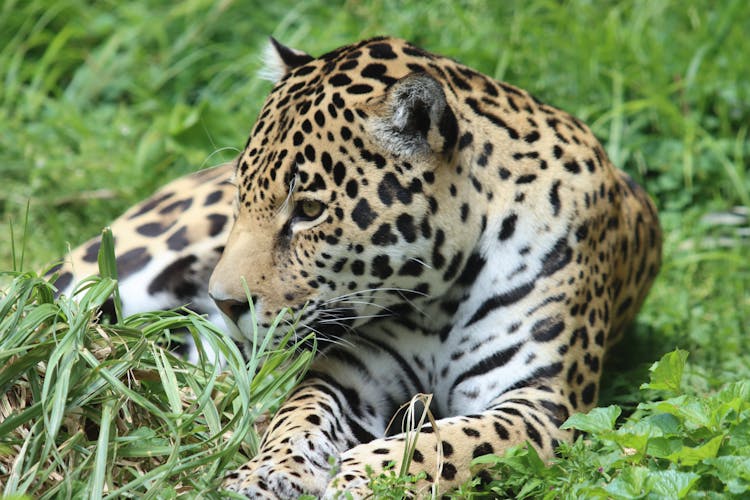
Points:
(105, 411)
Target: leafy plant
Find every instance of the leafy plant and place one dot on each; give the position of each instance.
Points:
(685, 446)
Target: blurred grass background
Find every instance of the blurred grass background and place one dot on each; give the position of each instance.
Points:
(102, 102)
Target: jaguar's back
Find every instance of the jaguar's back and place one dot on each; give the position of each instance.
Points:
(166, 248)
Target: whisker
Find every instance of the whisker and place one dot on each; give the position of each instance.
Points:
(363, 302)
(217, 150)
(421, 262)
(292, 187)
(335, 340)
(346, 298)
(370, 290)
(352, 318)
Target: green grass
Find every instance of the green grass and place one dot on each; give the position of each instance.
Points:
(102, 103)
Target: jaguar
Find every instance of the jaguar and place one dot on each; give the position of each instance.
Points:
(165, 248)
(439, 232)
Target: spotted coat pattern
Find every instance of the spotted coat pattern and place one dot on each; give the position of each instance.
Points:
(166, 248)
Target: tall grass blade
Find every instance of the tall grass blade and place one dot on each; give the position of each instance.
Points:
(108, 267)
(102, 449)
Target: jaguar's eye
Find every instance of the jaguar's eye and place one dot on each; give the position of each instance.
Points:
(308, 209)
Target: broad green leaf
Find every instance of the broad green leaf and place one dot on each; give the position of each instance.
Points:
(662, 447)
(738, 486)
(631, 443)
(729, 467)
(736, 392)
(666, 423)
(692, 411)
(740, 435)
(696, 412)
(731, 400)
(597, 420)
(689, 456)
(666, 374)
(633, 482)
(672, 483)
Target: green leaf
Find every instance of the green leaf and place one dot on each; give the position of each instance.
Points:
(692, 411)
(672, 483)
(535, 464)
(630, 441)
(597, 420)
(666, 374)
(490, 459)
(663, 447)
(689, 456)
(530, 488)
(734, 471)
(740, 435)
(633, 482)
(665, 423)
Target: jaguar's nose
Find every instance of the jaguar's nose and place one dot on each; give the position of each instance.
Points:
(232, 309)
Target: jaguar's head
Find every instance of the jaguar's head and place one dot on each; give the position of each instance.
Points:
(340, 192)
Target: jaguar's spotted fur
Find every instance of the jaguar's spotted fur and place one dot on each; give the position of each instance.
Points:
(447, 233)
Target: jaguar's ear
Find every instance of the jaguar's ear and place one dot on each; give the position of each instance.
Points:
(279, 60)
(414, 117)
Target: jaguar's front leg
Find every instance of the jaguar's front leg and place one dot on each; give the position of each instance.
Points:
(444, 454)
(302, 445)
